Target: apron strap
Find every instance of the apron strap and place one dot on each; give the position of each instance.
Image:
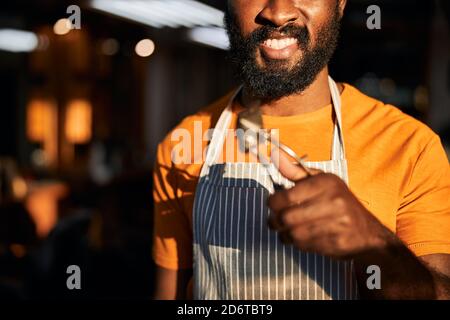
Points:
(338, 149)
(219, 135)
(220, 131)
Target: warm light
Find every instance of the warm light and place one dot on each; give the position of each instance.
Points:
(39, 116)
(42, 204)
(19, 188)
(145, 48)
(62, 27)
(18, 250)
(79, 122)
(42, 127)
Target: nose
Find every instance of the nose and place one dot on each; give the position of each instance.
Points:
(278, 13)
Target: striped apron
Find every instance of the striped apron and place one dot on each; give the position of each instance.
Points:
(236, 255)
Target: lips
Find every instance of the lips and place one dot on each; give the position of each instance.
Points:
(279, 48)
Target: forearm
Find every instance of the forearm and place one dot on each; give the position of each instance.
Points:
(171, 284)
(403, 275)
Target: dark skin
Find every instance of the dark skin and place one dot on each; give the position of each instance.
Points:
(320, 214)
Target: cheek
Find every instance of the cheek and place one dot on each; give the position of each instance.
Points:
(246, 12)
(317, 15)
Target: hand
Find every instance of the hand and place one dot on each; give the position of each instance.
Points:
(320, 214)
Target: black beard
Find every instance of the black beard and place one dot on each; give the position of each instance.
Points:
(276, 81)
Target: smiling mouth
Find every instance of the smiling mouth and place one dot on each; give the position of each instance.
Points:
(279, 48)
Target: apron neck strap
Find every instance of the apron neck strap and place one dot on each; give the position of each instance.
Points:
(338, 148)
(219, 134)
(220, 131)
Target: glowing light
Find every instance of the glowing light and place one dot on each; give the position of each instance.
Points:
(62, 27)
(18, 41)
(145, 48)
(78, 126)
(19, 188)
(42, 204)
(42, 126)
(39, 117)
(210, 36)
(162, 13)
(18, 250)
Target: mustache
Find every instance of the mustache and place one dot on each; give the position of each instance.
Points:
(266, 32)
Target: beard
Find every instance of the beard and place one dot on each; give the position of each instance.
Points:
(275, 80)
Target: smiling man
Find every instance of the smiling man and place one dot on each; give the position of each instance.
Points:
(376, 192)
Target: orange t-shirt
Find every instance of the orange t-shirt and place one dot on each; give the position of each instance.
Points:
(397, 168)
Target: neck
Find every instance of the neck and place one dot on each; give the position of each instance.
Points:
(316, 96)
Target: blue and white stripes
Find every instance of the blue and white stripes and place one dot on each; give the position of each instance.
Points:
(236, 255)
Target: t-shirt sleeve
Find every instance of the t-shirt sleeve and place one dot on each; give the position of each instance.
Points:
(172, 237)
(423, 220)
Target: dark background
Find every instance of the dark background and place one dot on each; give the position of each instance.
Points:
(98, 192)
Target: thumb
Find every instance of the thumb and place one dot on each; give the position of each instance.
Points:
(288, 169)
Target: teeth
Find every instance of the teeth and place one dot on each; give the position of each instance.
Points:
(280, 44)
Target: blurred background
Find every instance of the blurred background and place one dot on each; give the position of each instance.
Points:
(88, 91)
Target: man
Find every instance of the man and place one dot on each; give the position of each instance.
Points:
(227, 230)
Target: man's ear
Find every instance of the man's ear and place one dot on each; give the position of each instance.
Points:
(342, 4)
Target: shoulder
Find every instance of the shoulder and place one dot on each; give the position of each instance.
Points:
(384, 123)
(194, 126)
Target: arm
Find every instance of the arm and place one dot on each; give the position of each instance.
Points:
(403, 275)
(172, 237)
(171, 284)
(439, 265)
(422, 223)
(320, 214)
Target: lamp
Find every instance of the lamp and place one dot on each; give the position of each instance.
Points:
(78, 121)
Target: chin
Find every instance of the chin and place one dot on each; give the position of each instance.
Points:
(278, 66)
(285, 65)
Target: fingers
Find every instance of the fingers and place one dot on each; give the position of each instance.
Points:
(305, 212)
(322, 183)
(322, 236)
(288, 169)
(309, 236)
(302, 191)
